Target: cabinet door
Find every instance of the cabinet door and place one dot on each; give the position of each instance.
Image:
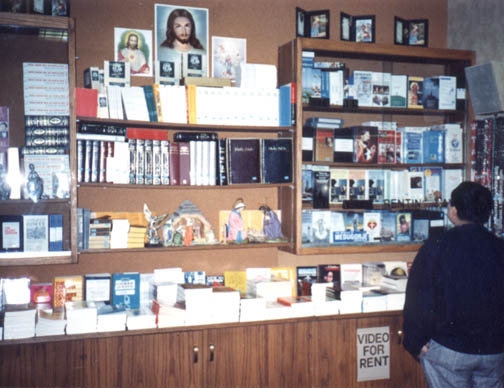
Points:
(335, 354)
(47, 364)
(235, 357)
(289, 354)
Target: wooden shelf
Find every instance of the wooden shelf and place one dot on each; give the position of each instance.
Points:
(181, 187)
(284, 245)
(35, 258)
(184, 127)
(392, 59)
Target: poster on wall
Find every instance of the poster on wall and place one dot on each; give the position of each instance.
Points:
(227, 55)
(134, 46)
(181, 35)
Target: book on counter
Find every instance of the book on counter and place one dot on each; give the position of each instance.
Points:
(126, 290)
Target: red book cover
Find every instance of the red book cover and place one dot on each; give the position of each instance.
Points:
(86, 102)
(41, 293)
(146, 134)
(184, 164)
(174, 164)
(386, 146)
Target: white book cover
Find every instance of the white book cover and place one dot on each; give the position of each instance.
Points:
(451, 179)
(372, 226)
(135, 105)
(173, 103)
(115, 102)
(447, 92)
(337, 224)
(399, 91)
(321, 226)
(433, 179)
(363, 87)
(381, 83)
(454, 147)
(415, 185)
(336, 88)
(212, 162)
(193, 169)
(350, 275)
(205, 156)
(46, 89)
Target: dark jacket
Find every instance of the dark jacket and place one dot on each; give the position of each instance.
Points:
(455, 293)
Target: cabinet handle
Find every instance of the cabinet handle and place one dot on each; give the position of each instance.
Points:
(399, 337)
(212, 348)
(195, 354)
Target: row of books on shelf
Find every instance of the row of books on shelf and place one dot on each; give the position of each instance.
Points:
(324, 186)
(326, 227)
(146, 156)
(326, 140)
(336, 83)
(189, 104)
(31, 233)
(169, 297)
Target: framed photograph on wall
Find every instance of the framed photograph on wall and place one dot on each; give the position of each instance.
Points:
(180, 31)
(60, 8)
(134, 46)
(227, 55)
(357, 28)
(411, 32)
(312, 24)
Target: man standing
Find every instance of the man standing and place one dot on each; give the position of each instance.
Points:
(454, 310)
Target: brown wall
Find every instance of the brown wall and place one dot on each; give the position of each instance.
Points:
(266, 25)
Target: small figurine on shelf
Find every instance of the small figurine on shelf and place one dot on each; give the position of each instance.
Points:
(236, 232)
(155, 223)
(34, 185)
(271, 225)
(5, 189)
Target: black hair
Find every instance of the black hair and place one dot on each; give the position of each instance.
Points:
(473, 202)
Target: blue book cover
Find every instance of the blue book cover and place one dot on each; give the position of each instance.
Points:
(354, 229)
(287, 105)
(388, 226)
(412, 138)
(433, 146)
(431, 93)
(126, 290)
(55, 232)
(376, 185)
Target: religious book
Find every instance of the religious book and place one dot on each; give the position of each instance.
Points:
(276, 160)
(244, 160)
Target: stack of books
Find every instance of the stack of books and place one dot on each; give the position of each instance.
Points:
(277, 310)
(99, 233)
(110, 318)
(142, 318)
(19, 322)
(166, 293)
(81, 317)
(252, 308)
(373, 301)
(225, 305)
(351, 300)
(197, 300)
(301, 306)
(169, 315)
(50, 321)
(136, 236)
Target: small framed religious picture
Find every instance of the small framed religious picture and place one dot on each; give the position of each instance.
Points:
(312, 24)
(60, 8)
(345, 26)
(411, 32)
(11, 236)
(364, 27)
(357, 28)
(418, 31)
(15, 6)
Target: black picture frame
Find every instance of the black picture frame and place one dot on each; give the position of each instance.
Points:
(312, 24)
(14, 6)
(418, 32)
(345, 27)
(11, 233)
(364, 27)
(414, 32)
(360, 28)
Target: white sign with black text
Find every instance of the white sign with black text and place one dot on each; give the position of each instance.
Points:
(373, 353)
